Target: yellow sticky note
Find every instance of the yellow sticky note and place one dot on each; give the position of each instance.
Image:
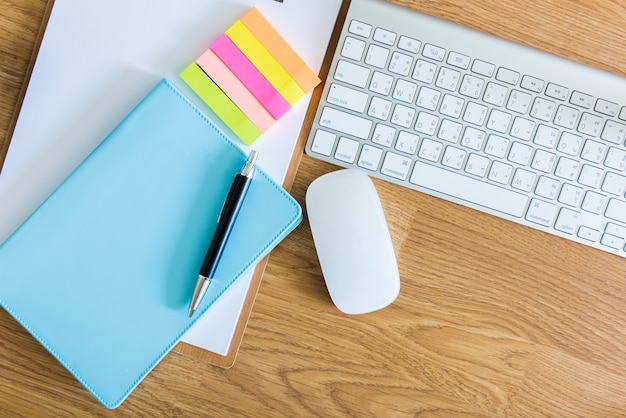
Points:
(263, 60)
(219, 103)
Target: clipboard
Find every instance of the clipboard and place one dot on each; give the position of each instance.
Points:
(227, 359)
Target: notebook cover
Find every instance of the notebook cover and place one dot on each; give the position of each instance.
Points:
(102, 273)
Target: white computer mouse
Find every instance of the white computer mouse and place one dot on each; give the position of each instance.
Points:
(352, 241)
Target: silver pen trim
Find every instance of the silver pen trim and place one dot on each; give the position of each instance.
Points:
(248, 168)
(202, 285)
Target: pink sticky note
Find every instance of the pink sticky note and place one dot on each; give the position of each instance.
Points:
(235, 89)
(247, 73)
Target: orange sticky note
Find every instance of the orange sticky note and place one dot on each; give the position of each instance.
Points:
(280, 49)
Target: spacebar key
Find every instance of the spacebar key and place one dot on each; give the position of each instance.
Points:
(469, 189)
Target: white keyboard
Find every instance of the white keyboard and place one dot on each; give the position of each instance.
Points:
(479, 121)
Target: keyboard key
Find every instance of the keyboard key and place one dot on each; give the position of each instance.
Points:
(616, 209)
(381, 83)
(379, 108)
(614, 184)
(499, 121)
(543, 161)
(567, 168)
(524, 180)
(543, 109)
(567, 221)
(407, 142)
(557, 92)
(569, 143)
(507, 76)
(400, 63)
(403, 116)
(500, 172)
(360, 28)
(571, 195)
(468, 189)
(377, 56)
(451, 106)
(520, 153)
(495, 94)
(547, 187)
(614, 132)
(351, 73)
(581, 99)
(430, 150)
(424, 71)
(383, 135)
(384, 36)
(590, 124)
(612, 241)
(615, 229)
(453, 158)
(428, 98)
(483, 68)
(589, 234)
(473, 138)
(532, 83)
(522, 128)
(546, 136)
(497, 146)
(405, 91)
(346, 150)
(353, 48)
(450, 131)
(542, 213)
(591, 176)
(426, 123)
(458, 60)
(370, 157)
(593, 151)
(594, 202)
(616, 159)
(434, 52)
(347, 98)
(323, 142)
(566, 117)
(606, 108)
(477, 165)
(346, 123)
(472, 86)
(409, 44)
(519, 102)
(475, 113)
(396, 166)
(448, 79)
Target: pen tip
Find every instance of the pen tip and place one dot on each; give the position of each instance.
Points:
(190, 313)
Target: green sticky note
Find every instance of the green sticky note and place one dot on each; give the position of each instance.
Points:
(220, 103)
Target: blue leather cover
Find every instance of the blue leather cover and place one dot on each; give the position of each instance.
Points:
(102, 272)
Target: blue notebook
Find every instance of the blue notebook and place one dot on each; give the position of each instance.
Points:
(102, 273)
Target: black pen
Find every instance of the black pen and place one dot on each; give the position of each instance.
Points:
(225, 223)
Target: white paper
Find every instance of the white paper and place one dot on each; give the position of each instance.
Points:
(99, 58)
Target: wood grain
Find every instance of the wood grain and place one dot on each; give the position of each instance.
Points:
(493, 319)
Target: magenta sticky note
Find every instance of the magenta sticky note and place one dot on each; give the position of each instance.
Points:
(247, 73)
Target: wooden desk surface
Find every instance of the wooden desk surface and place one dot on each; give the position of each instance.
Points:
(493, 319)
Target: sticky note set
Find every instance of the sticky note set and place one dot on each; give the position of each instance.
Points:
(250, 76)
